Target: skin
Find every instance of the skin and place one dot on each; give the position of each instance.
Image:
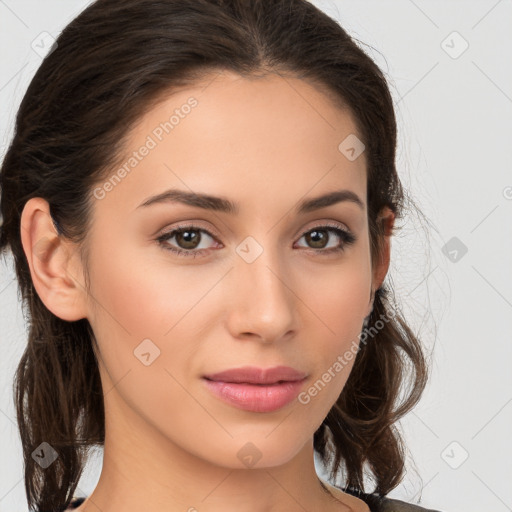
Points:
(170, 444)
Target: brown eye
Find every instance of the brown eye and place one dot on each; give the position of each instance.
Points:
(319, 237)
(187, 241)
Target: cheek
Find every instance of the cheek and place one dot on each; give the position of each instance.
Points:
(339, 301)
(146, 323)
(339, 297)
(140, 295)
(143, 291)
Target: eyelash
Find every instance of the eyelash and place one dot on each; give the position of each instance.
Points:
(346, 236)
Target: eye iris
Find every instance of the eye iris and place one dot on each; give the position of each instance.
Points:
(189, 237)
(320, 237)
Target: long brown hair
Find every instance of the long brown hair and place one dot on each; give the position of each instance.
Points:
(109, 66)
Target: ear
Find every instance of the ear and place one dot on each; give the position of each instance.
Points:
(387, 218)
(54, 263)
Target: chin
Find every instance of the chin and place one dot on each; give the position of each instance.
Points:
(258, 450)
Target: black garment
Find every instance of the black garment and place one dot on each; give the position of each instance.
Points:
(377, 503)
(374, 502)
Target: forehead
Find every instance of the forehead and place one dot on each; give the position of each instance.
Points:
(270, 137)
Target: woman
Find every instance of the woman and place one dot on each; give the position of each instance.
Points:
(200, 198)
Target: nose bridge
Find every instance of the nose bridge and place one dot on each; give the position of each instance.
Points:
(263, 300)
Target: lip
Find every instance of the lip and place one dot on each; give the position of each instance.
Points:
(255, 375)
(256, 389)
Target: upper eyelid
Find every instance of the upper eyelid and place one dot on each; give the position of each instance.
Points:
(190, 225)
(326, 224)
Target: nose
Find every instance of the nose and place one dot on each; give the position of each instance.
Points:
(262, 302)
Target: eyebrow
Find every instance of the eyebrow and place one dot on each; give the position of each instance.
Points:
(224, 205)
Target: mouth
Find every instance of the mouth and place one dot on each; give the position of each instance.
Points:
(255, 397)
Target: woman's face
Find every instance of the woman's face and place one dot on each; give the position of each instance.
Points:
(262, 285)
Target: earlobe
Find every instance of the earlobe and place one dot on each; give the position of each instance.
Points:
(53, 262)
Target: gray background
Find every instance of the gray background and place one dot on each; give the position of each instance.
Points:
(454, 107)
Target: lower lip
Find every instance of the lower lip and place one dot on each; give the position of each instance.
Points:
(254, 397)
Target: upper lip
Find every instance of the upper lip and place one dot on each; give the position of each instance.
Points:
(255, 375)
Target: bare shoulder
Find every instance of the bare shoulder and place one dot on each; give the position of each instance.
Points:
(393, 505)
(355, 504)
